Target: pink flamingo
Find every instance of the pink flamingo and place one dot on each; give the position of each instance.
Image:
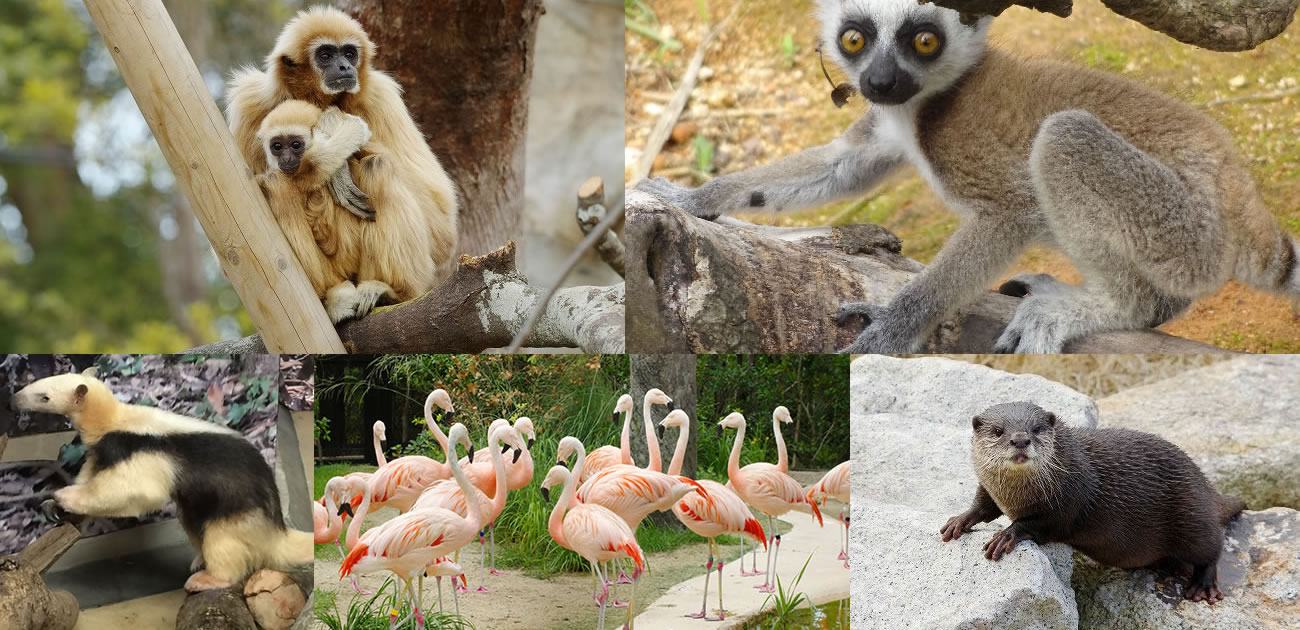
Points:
(654, 396)
(631, 492)
(835, 484)
(448, 495)
(399, 483)
(779, 415)
(593, 531)
(378, 433)
(444, 567)
(725, 514)
(327, 520)
(409, 544)
(768, 489)
(607, 456)
(519, 473)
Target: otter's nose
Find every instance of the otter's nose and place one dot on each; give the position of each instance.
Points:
(1020, 441)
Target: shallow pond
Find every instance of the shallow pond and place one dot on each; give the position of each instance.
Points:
(829, 616)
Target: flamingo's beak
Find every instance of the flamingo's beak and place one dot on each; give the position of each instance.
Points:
(546, 495)
(719, 429)
(518, 452)
(531, 442)
(671, 405)
(471, 452)
(614, 416)
(659, 431)
(504, 448)
(346, 507)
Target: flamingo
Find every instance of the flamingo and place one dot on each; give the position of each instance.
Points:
(399, 483)
(766, 488)
(835, 484)
(779, 415)
(444, 567)
(631, 492)
(593, 531)
(327, 520)
(654, 396)
(519, 473)
(725, 514)
(409, 544)
(448, 495)
(379, 434)
(607, 456)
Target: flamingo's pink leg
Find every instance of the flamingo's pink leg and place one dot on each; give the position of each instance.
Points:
(708, 570)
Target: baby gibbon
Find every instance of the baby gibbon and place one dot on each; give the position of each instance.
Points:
(138, 458)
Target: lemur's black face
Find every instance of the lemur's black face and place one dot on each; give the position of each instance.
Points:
(288, 150)
(337, 66)
(889, 78)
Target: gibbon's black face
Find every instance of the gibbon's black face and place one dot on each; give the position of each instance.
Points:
(288, 150)
(337, 66)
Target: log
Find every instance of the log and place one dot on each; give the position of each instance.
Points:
(591, 209)
(699, 286)
(46, 550)
(25, 602)
(210, 171)
(1223, 25)
(482, 306)
(216, 609)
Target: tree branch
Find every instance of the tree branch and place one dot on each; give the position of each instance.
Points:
(1224, 25)
(482, 305)
(591, 209)
(699, 286)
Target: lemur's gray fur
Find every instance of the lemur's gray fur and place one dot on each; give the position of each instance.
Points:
(1146, 195)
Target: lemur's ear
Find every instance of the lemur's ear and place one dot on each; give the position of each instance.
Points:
(90, 371)
(79, 396)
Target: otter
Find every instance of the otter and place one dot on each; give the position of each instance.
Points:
(1124, 498)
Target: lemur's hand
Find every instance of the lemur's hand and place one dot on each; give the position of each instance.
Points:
(687, 199)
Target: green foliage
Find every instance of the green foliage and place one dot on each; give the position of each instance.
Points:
(373, 613)
(1104, 57)
(788, 49)
(814, 387)
(786, 601)
(321, 430)
(703, 156)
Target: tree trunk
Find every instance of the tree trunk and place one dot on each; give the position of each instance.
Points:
(466, 68)
(675, 375)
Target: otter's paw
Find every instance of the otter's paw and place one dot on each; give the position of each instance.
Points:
(957, 525)
(1204, 586)
(1041, 325)
(1001, 544)
(886, 331)
(204, 581)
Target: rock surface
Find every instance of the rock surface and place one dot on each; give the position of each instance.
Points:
(951, 392)
(274, 599)
(1259, 574)
(1237, 419)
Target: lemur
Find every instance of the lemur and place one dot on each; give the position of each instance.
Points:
(1147, 196)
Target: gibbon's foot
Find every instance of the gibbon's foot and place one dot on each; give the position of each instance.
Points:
(885, 333)
(957, 525)
(370, 293)
(684, 198)
(1042, 324)
(204, 581)
(341, 301)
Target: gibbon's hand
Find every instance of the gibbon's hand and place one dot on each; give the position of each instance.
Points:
(687, 199)
(335, 125)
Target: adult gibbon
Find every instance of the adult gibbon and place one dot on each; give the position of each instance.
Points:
(324, 57)
(303, 149)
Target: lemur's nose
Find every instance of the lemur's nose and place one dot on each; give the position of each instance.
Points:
(882, 83)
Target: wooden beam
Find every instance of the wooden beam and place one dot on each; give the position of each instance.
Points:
(210, 171)
(44, 551)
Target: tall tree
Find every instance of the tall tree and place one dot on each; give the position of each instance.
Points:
(675, 375)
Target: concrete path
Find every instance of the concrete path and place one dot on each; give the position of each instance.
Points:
(825, 580)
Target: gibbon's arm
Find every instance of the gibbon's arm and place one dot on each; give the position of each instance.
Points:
(139, 484)
(334, 139)
(851, 164)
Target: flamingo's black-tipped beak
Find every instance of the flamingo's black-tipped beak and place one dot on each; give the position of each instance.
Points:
(531, 442)
(719, 431)
(546, 495)
(504, 448)
(449, 417)
(471, 453)
(518, 452)
(659, 431)
(614, 416)
(346, 508)
(671, 405)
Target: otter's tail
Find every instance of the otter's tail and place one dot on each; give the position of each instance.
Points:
(1229, 508)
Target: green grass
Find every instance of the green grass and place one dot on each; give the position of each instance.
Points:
(373, 613)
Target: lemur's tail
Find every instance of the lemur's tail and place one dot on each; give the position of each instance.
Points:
(1274, 267)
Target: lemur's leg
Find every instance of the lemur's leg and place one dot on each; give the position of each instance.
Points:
(138, 485)
(968, 263)
(851, 164)
(1146, 237)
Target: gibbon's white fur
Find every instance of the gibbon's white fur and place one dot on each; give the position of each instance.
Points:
(139, 458)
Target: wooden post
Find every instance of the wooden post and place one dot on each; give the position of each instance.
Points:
(198, 146)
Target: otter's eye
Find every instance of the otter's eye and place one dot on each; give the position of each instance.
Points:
(1039, 429)
(925, 43)
(852, 40)
(997, 431)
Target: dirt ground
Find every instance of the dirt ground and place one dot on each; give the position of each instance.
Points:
(764, 96)
(561, 602)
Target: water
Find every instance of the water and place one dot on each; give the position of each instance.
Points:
(829, 616)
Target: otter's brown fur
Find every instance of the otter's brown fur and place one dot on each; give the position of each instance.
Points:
(1123, 498)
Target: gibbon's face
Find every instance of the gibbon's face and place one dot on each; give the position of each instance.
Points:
(899, 49)
(285, 151)
(60, 394)
(336, 65)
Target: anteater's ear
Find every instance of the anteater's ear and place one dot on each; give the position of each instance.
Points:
(90, 371)
(1051, 419)
(976, 423)
(79, 396)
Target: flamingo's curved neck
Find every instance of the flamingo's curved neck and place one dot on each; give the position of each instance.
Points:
(556, 523)
(651, 442)
(625, 440)
(733, 462)
(782, 461)
(358, 515)
(498, 467)
(332, 511)
(379, 452)
(473, 511)
(679, 453)
(433, 426)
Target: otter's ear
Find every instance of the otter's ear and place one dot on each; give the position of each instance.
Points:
(1051, 419)
(90, 371)
(976, 423)
(79, 396)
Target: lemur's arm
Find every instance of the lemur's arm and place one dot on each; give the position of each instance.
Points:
(850, 164)
(135, 486)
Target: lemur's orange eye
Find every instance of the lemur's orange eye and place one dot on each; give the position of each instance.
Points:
(852, 40)
(925, 43)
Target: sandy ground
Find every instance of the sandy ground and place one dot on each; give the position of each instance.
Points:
(564, 602)
(145, 613)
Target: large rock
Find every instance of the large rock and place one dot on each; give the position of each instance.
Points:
(274, 599)
(1259, 574)
(1238, 420)
(952, 392)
